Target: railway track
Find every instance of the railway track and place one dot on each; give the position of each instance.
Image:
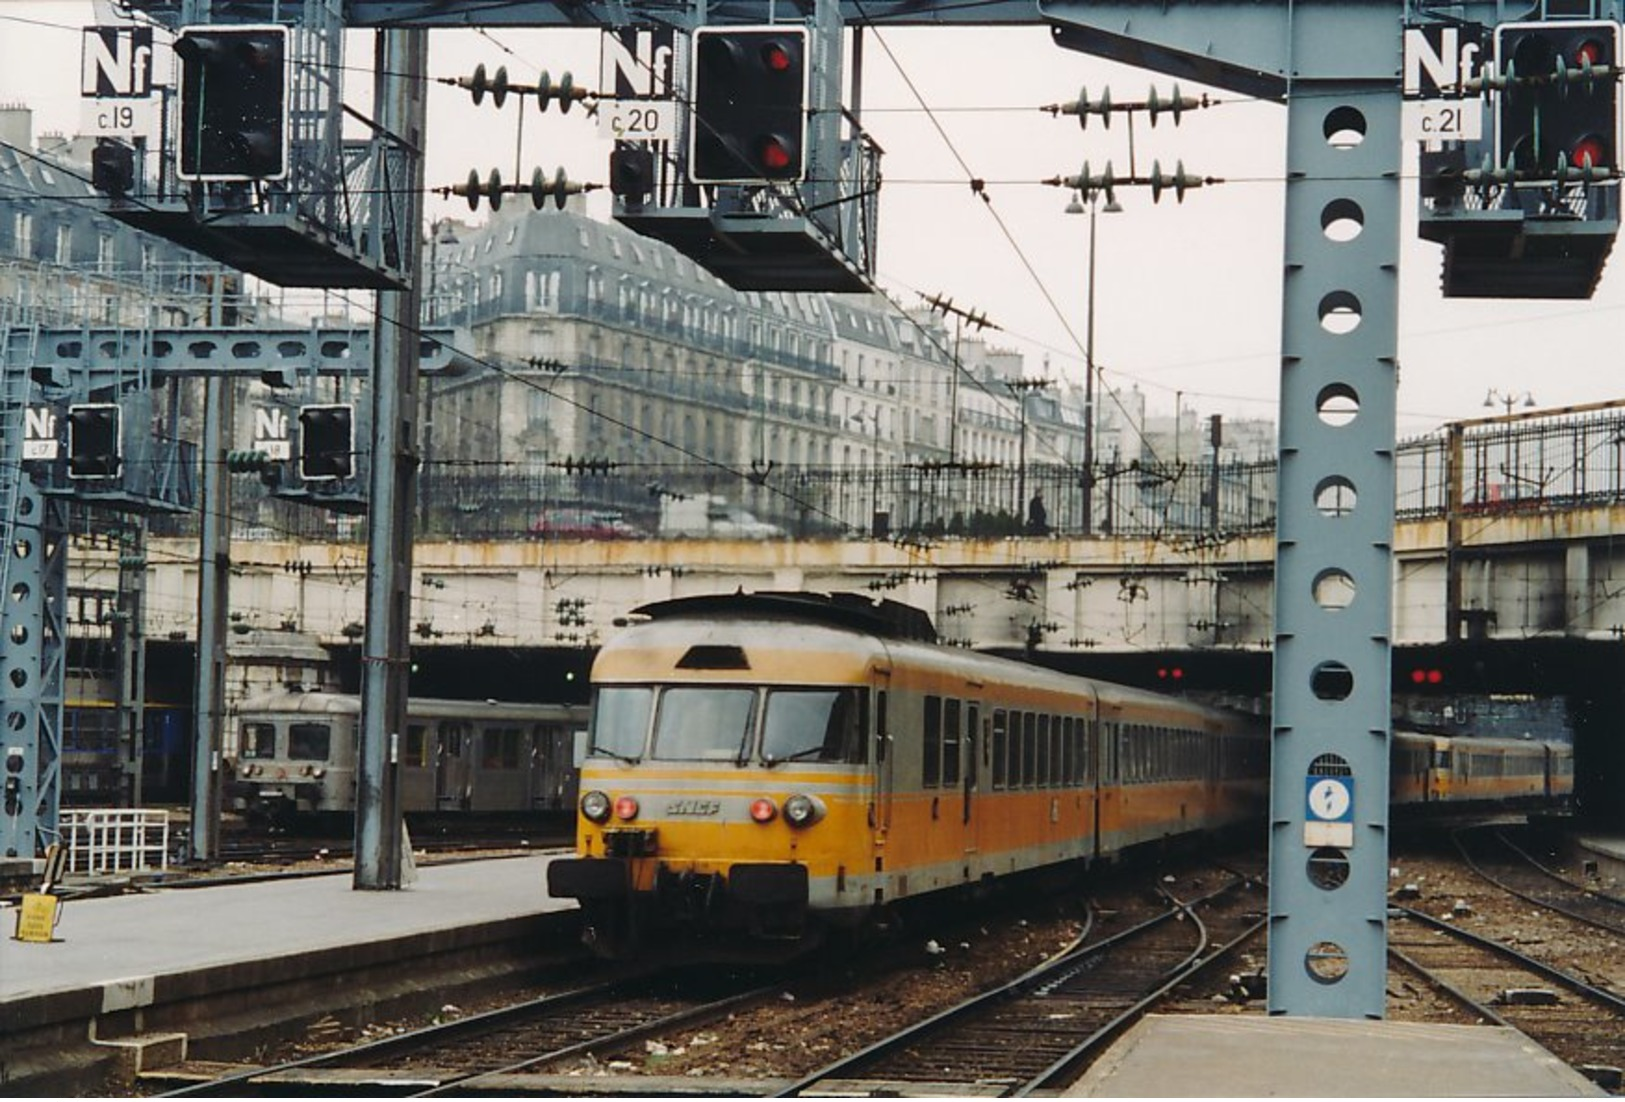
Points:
(473, 1054)
(1040, 1030)
(1493, 854)
(1579, 1022)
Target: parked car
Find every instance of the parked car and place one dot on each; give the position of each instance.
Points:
(580, 523)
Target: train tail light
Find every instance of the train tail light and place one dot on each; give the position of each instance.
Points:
(626, 808)
(595, 806)
(803, 811)
(763, 810)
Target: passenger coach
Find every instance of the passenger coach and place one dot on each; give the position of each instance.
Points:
(296, 755)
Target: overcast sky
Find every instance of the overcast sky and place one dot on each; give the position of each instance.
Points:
(1188, 297)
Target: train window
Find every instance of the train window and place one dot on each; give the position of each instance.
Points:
(416, 745)
(258, 740)
(1000, 748)
(1069, 758)
(620, 720)
(451, 740)
(1041, 774)
(1015, 750)
(881, 730)
(1029, 749)
(500, 749)
(309, 741)
(1057, 753)
(821, 724)
(950, 743)
(703, 724)
(931, 768)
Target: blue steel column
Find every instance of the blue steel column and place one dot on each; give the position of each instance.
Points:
(1333, 582)
(35, 575)
(402, 58)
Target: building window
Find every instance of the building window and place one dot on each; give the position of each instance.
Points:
(23, 228)
(64, 244)
(104, 252)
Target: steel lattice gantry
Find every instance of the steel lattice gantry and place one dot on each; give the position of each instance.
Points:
(1336, 66)
(43, 368)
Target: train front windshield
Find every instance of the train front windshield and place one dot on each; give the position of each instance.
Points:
(309, 741)
(813, 725)
(704, 724)
(726, 723)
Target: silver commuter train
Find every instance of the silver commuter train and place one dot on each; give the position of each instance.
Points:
(296, 755)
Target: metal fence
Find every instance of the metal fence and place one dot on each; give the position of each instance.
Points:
(1553, 461)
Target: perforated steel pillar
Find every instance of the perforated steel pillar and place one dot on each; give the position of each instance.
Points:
(402, 58)
(1333, 587)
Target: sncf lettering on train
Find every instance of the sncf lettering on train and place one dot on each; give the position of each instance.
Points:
(697, 808)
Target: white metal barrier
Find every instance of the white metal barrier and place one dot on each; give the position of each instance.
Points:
(104, 840)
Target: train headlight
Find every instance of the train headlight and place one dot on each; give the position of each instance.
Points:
(763, 810)
(595, 806)
(802, 811)
(626, 808)
(318, 772)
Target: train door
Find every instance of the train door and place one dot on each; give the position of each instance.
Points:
(881, 756)
(1104, 779)
(452, 777)
(971, 771)
(551, 771)
(975, 754)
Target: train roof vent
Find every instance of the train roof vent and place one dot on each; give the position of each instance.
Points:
(712, 656)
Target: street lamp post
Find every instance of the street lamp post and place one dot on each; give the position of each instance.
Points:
(1088, 481)
(1506, 399)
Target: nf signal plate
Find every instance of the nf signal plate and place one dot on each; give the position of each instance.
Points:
(283, 249)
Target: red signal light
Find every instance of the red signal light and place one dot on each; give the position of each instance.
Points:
(775, 157)
(626, 808)
(1588, 152)
(1177, 672)
(1589, 52)
(776, 58)
(1418, 676)
(763, 810)
(1435, 677)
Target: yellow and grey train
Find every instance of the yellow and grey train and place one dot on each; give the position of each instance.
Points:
(780, 764)
(766, 768)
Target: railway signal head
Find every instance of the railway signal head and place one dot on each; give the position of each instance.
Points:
(233, 102)
(326, 442)
(1558, 113)
(749, 91)
(95, 441)
(112, 167)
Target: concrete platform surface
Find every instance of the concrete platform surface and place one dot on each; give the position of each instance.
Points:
(125, 942)
(1254, 1056)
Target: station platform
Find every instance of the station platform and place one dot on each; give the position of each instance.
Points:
(1256, 1056)
(211, 961)
(1603, 856)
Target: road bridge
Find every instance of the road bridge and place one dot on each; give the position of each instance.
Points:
(1552, 571)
